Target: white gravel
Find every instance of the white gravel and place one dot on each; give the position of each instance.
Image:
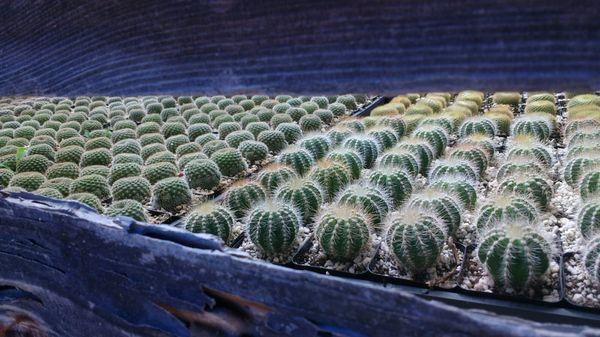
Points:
(580, 289)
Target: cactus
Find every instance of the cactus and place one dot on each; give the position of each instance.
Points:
(400, 158)
(257, 127)
(274, 140)
(212, 219)
(396, 123)
(528, 186)
(349, 158)
(235, 138)
(253, 151)
(540, 107)
(161, 157)
(124, 170)
(386, 136)
(126, 146)
(348, 101)
(338, 109)
(366, 146)
(171, 194)
(274, 175)
(573, 126)
(583, 135)
(397, 184)
(136, 188)
(436, 136)
(230, 162)
(588, 218)
(373, 200)
(502, 208)
(127, 207)
(477, 125)
(173, 129)
(343, 232)
(189, 148)
(298, 158)
(501, 120)
(273, 227)
(87, 199)
(518, 166)
(471, 153)
(592, 259)
(443, 206)
(589, 185)
(152, 138)
(30, 181)
(527, 146)
(310, 122)
(537, 126)
(173, 142)
(338, 134)
(442, 121)
(291, 131)
(5, 177)
(100, 156)
(33, 163)
(421, 150)
(93, 183)
(453, 166)
(482, 141)
(202, 173)
(415, 239)
(435, 105)
(586, 99)
(159, 171)
(460, 186)
(60, 184)
(98, 143)
(228, 128)
(42, 149)
(296, 113)
(508, 98)
(302, 193)
(331, 176)
(514, 254)
(49, 192)
(213, 146)
(101, 170)
(127, 158)
(386, 110)
(325, 115)
(316, 144)
(242, 196)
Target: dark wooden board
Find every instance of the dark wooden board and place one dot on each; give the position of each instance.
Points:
(303, 46)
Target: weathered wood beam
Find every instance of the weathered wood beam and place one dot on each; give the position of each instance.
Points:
(66, 271)
(302, 47)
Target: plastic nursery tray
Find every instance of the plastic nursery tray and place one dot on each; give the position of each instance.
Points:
(367, 108)
(299, 263)
(388, 279)
(508, 297)
(565, 257)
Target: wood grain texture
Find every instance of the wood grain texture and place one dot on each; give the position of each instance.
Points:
(302, 47)
(66, 271)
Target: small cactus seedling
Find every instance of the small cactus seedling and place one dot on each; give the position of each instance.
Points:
(349, 158)
(421, 150)
(528, 186)
(135, 188)
(527, 146)
(399, 158)
(127, 207)
(396, 123)
(93, 183)
(592, 259)
(366, 146)
(453, 166)
(482, 141)
(171, 193)
(317, 144)
(589, 186)
(343, 231)
(444, 207)
(501, 208)
(515, 254)
(242, 195)
(396, 183)
(253, 151)
(508, 98)
(332, 177)
(66, 170)
(212, 219)
(385, 135)
(518, 166)
(537, 126)
(291, 131)
(460, 186)
(415, 239)
(298, 158)
(230, 162)
(577, 167)
(273, 227)
(478, 125)
(439, 120)
(88, 199)
(274, 176)
(541, 106)
(202, 173)
(436, 136)
(304, 194)
(588, 218)
(274, 140)
(159, 171)
(373, 200)
(471, 153)
(338, 134)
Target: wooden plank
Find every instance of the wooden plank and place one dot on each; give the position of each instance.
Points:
(302, 47)
(66, 271)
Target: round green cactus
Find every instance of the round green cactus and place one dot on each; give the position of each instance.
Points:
(253, 151)
(242, 196)
(202, 173)
(100, 156)
(366, 146)
(349, 158)
(274, 140)
(257, 127)
(331, 176)
(60, 184)
(230, 162)
(444, 206)
(189, 148)
(528, 186)
(588, 218)
(518, 166)
(196, 130)
(159, 171)
(42, 149)
(296, 113)
(316, 144)
(479, 125)
(98, 143)
(343, 232)
(129, 208)
(592, 258)
(386, 136)
(502, 208)
(459, 186)
(33, 163)
(421, 150)
(226, 128)
(173, 142)
(279, 118)
(310, 123)
(399, 158)
(514, 254)
(304, 194)
(453, 166)
(171, 194)
(274, 175)
(573, 126)
(298, 158)
(338, 134)
(187, 158)
(29, 181)
(526, 146)
(101, 170)
(537, 126)
(127, 146)
(436, 136)
(396, 183)
(325, 115)
(585, 99)
(235, 138)
(5, 176)
(88, 199)
(212, 219)
(93, 183)
(354, 124)
(127, 158)
(49, 192)
(152, 138)
(540, 107)
(161, 157)
(471, 153)
(124, 170)
(481, 141)
(291, 131)
(370, 198)
(589, 186)
(415, 239)
(136, 188)
(273, 227)
(508, 98)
